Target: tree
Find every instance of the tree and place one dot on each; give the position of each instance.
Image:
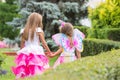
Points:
(107, 15)
(7, 12)
(51, 10)
(105, 21)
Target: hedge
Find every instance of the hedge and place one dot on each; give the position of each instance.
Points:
(105, 66)
(91, 46)
(111, 34)
(96, 46)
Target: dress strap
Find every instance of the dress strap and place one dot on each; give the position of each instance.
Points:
(39, 30)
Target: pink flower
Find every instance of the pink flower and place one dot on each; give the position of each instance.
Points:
(75, 42)
(2, 45)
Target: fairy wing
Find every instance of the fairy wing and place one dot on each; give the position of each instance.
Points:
(57, 38)
(78, 38)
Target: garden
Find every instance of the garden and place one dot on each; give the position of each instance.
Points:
(101, 55)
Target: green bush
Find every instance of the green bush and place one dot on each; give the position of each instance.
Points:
(106, 15)
(111, 34)
(10, 1)
(1, 38)
(105, 66)
(91, 46)
(114, 34)
(52, 45)
(51, 11)
(7, 12)
(96, 46)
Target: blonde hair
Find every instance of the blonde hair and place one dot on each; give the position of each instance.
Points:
(34, 20)
(67, 29)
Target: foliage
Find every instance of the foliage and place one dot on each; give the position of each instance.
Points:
(91, 46)
(51, 12)
(48, 10)
(10, 1)
(96, 46)
(71, 9)
(105, 66)
(98, 67)
(7, 12)
(8, 63)
(1, 38)
(2, 58)
(106, 15)
(111, 34)
(52, 45)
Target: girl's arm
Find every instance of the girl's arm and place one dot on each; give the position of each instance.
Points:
(44, 44)
(58, 51)
(78, 54)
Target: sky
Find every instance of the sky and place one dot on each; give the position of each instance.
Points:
(94, 3)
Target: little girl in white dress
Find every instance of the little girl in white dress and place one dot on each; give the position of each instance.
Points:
(31, 59)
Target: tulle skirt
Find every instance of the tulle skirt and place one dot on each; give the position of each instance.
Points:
(29, 65)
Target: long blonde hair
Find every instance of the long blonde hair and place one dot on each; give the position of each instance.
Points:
(33, 21)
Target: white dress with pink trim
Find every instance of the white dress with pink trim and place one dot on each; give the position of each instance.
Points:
(31, 59)
(68, 53)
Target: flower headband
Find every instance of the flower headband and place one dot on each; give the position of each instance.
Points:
(62, 23)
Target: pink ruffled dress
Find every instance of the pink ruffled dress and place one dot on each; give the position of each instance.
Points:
(68, 53)
(31, 59)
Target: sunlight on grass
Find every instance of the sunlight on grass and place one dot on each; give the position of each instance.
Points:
(7, 64)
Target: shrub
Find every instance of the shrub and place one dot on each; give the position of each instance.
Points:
(105, 66)
(7, 12)
(1, 38)
(10, 1)
(114, 34)
(111, 34)
(96, 46)
(52, 11)
(52, 45)
(91, 46)
(106, 15)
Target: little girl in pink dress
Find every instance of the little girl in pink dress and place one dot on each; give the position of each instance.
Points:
(69, 42)
(31, 59)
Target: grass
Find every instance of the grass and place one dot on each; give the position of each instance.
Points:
(8, 63)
